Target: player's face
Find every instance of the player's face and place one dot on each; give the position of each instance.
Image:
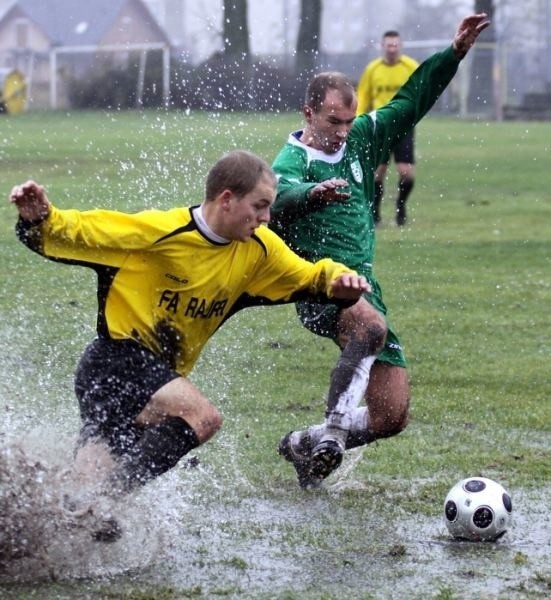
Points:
(392, 47)
(328, 128)
(245, 214)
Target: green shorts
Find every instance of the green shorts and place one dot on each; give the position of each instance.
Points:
(321, 319)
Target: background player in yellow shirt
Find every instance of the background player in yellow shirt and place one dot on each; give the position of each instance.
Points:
(381, 79)
(166, 281)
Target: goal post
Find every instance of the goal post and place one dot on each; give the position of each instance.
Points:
(142, 48)
(462, 84)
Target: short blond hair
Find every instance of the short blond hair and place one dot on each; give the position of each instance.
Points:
(238, 171)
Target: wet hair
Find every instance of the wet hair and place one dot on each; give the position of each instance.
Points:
(330, 80)
(238, 171)
(391, 33)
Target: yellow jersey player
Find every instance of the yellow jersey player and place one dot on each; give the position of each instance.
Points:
(167, 280)
(380, 81)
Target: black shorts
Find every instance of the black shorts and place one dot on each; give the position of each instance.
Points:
(403, 151)
(114, 380)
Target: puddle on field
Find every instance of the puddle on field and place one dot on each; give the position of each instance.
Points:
(39, 540)
(207, 532)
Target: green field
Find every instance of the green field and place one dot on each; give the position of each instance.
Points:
(468, 283)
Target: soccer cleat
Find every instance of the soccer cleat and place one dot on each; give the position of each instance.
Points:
(401, 216)
(76, 507)
(300, 461)
(326, 458)
(81, 512)
(107, 531)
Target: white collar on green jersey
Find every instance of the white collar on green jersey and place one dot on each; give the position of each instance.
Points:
(314, 154)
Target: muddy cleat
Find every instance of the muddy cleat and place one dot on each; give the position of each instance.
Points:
(300, 461)
(82, 512)
(326, 458)
(75, 507)
(108, 531)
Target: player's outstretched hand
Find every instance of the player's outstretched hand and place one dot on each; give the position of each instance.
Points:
(330, 190)
(31, 201)
(349, 286)
(467, 32)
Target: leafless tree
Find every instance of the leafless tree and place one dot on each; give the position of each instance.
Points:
(308, 40)
(235, 29)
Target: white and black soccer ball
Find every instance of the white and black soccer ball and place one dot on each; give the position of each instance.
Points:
(478, 509)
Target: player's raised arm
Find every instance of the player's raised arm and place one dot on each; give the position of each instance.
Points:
(31, 201)
(467, 32)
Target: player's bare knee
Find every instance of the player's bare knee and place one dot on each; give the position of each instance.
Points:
(399, 421)
(365, 326)
(376, 331)
(210, 423)
(371, 336)
(216, 419)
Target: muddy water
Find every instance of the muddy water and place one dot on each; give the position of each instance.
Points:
(197, 531)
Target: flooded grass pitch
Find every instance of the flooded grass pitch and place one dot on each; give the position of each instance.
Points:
(467, 283)
(209, 532)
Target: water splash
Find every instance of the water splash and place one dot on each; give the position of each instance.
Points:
(40, 540)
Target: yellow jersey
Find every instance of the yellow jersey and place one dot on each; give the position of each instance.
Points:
(163, 282)
(380, 82)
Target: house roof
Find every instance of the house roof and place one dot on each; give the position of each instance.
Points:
(77, 22)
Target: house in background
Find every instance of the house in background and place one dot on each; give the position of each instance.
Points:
(55, 40)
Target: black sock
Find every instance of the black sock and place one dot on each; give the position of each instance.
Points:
(159, 449)
(359, 438)
(405, 186)
(377, 199)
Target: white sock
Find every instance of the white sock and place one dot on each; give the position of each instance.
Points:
(358, 431)
(339, 420)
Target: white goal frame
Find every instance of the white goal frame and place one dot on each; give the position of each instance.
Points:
(143, 48)
(464, 72)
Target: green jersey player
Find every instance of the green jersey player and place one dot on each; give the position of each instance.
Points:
(324, 208)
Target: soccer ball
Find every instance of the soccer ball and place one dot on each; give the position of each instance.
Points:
(478, 509)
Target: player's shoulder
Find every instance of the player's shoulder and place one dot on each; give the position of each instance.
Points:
(291, 151)
(165, 219)
(176, 212)
(267, 236)
(183, 212)
(261, 241)
(409, 61)
(375, 64)
(272, 243)
(361, 128)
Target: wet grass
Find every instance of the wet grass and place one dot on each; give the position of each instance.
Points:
(469, 290)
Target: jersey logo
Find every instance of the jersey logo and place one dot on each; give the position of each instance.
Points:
(196, 308)
(357, 172)
(176, 278)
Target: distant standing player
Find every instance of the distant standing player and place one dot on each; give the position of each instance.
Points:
(381, 79)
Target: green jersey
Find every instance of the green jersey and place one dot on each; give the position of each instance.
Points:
(344, 230)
